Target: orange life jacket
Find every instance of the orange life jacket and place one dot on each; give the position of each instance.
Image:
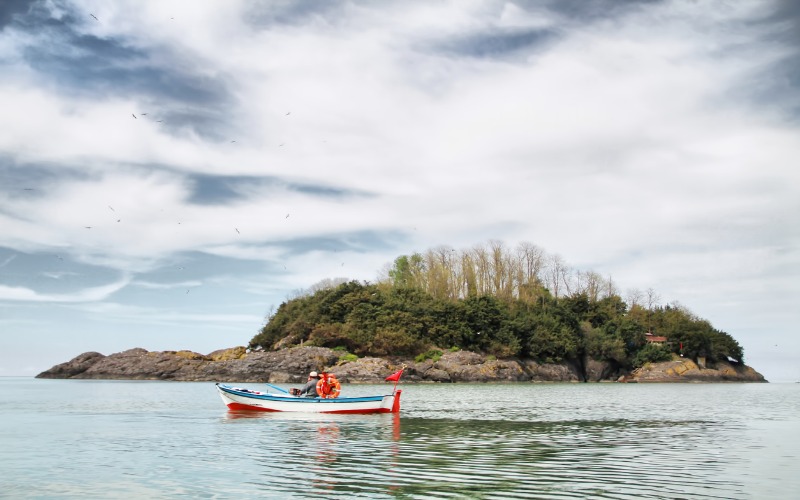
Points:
(329, 387)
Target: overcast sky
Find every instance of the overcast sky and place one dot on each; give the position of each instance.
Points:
(172, 170)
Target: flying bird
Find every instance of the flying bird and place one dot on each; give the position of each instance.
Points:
(287, 216)
(88, 227)
(112, 208)
(95, 17)
(134, 116)
(289, 113)
(237, 230)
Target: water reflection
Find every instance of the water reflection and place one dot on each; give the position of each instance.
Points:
(322, 469)
(554, 441)
(335, 456)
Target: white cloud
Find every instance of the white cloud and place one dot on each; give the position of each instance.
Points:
(639, 145)
(91, 294)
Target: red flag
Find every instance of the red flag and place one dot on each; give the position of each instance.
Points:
(394, 377)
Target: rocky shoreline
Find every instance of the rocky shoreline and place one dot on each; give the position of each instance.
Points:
(292, 365)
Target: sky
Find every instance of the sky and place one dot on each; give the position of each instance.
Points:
(172, 171)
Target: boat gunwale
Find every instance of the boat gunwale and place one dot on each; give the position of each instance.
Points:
(292, 399)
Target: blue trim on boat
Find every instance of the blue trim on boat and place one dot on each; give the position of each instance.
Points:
(271, 397)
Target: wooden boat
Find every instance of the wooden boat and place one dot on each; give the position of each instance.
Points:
(237, 398)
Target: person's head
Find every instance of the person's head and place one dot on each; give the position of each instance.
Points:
(313, 375)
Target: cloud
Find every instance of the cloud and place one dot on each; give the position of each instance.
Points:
(652, 141)
(91, 294)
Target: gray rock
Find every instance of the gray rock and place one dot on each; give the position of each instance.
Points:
(556, 372)
(74, 367)
(598, 371)
(292, 366)
(686, 370)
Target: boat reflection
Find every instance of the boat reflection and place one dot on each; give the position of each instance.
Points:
(326, 453)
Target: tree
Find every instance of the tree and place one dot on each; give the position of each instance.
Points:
(490, 300)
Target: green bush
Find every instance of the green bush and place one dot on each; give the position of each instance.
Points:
(432, 354)
(348, 358)
(651, 353)
(398, 319)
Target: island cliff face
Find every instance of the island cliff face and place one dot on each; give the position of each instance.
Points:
(292, 366)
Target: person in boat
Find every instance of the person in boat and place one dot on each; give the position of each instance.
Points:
(310, 389)
(328, 386)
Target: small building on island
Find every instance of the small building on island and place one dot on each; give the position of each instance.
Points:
(654, 339)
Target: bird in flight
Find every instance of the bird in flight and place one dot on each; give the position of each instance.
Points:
(112, 208)
(287, 216)
(289, 113)
(134, 116)
(95, 17)
(237, 230)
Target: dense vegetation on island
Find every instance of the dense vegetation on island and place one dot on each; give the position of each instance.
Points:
(490, 299)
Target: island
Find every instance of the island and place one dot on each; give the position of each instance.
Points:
(487, 314)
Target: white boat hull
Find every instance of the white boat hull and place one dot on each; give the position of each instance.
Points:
(236, 398)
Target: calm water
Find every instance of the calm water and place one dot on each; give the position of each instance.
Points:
(104, 439)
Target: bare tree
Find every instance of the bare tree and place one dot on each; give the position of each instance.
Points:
(554, 274)
(482, 269)
(590, 283)
(531, 259)
(634, 297)
(609, 288)
(652, 299)
(469, 275)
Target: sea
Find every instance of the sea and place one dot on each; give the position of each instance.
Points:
(147, 439)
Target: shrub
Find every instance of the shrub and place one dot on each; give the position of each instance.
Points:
(651, 353)
(391, 342)
(432, 354)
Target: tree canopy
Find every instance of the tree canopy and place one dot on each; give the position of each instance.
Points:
(488, 299)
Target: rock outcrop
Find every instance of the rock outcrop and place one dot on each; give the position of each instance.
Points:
(293, 364)
(686, 370)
